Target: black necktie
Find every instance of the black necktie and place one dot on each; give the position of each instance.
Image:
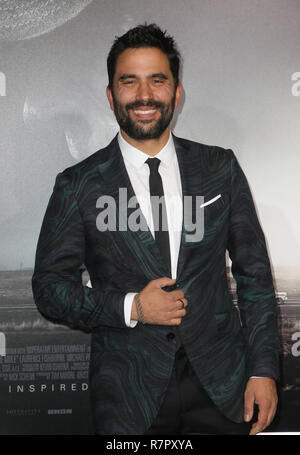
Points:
(159, 211)
(160, 223)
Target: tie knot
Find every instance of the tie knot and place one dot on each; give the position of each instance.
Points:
(153, 164)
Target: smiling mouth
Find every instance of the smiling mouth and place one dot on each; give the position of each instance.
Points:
(145, 114)
(142, 112)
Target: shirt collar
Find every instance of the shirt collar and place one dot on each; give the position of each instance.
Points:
(137, 158)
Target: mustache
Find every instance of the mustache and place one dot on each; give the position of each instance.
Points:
(149, 103)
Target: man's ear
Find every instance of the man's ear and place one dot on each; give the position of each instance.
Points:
(178, 94)
(110, 97)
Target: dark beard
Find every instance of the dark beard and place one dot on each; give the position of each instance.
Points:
(136, 131)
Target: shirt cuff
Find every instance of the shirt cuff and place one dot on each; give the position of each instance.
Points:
(128, 301)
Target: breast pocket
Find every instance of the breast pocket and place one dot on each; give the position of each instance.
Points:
(215, 216)
(211, 201)
(204, 217)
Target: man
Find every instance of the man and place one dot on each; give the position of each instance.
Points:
(170, 353)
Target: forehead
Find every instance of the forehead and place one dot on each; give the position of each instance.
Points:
(142, 61)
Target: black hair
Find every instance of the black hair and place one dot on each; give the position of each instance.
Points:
(144, 36)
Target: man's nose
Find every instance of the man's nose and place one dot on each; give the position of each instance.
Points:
(144, 91)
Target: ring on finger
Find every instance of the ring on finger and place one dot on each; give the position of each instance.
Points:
(181, 302)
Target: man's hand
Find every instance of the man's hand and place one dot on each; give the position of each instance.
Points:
(260, 391)
(161, 307)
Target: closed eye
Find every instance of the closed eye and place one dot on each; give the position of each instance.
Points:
(159, 78)
(127, 79)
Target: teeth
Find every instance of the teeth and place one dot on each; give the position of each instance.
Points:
(151, 111)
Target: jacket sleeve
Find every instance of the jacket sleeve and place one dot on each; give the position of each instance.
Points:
(57, 279)
(252, 272)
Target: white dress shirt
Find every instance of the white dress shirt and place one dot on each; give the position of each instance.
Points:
(138, 172)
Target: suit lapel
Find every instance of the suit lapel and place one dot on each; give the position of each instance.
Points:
(191, 186)
(115, 177)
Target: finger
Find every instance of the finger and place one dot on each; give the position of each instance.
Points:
(164, 281)
(262, 423)
(271, 413)
(254, 430)
(176, 307)
(175, 321)
(176, 294)
(262, 419)
(248, 406)
(257, 427)
(180, 304)
(179, 313)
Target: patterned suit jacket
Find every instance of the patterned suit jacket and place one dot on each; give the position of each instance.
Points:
(130, 367)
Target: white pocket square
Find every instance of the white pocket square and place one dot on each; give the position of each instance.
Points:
(210, 201)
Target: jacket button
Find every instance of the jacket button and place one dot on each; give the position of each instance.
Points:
(170, 336)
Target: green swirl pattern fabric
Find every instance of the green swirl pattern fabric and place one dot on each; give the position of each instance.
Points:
(130, 367)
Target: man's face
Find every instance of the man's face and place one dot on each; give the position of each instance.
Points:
(143, 97)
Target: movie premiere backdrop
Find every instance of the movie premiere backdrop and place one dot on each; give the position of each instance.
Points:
(241, 79)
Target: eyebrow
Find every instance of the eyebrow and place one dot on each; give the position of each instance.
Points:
(159, 75)
(134, 76)
(127, 76)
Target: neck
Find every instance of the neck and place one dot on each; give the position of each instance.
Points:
(149, 146)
